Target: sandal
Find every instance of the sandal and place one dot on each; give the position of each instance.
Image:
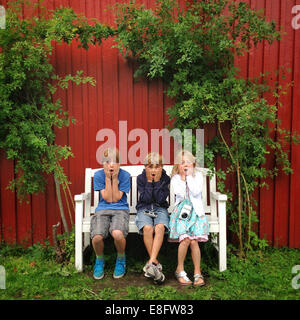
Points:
(184, 276)
(198, 276)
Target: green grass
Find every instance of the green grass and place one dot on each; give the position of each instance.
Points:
(33, 274)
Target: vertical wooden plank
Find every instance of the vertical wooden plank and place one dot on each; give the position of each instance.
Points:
(281, 204)
(90, 109)
(75, 105)
(39, 219)
(60, 63)
(99, 86)
(140, 100)
(8, 231)
(24, 212)
(24, 235)
(168, 103)
(110, 76)
(255, 68)
(266, 194)
(38, 203)
(155, 112)
(126, 105)
(140, 92)
(294, 199)
(241, 62)
(85, 96)
(7, 201)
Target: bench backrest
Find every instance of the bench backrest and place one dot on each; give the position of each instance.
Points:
(134, 170)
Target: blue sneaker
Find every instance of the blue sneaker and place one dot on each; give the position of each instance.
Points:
(120, 267)
(99, 269)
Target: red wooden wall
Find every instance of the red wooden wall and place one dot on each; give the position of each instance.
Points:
(143, 104)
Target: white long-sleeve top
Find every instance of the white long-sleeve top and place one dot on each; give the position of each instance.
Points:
(195, 185)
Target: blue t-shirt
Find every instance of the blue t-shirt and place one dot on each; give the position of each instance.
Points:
(124, 185)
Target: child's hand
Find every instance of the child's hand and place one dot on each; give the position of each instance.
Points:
(107, 172)
(185, 171)
(149, 175)
(188, 171)
(115, 172)
(157, 175)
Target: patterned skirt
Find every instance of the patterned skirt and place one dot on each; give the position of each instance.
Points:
(195, 228)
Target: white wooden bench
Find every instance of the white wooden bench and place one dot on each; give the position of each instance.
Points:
(214, 206)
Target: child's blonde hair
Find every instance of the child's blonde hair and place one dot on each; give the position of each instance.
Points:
(153, 158)
(111, 154)
(178, 160)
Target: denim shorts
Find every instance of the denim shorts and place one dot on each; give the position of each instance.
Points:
(104, 221)
(142, 220)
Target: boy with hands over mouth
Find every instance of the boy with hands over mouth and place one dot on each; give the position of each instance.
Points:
(152, 216)
(112, 213)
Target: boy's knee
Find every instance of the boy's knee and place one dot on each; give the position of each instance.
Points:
(159, 228)
(117, 235)
(97, 238)
(147, 229)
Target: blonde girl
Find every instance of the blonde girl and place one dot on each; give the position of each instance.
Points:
(188, 223)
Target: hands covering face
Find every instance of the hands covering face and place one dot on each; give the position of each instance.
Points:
(186, 168)
(153, 172)
(111, 169)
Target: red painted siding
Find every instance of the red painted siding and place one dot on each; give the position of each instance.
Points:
(117, 96)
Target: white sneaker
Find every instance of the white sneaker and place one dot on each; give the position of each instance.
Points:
(155, 272)
(159, 267)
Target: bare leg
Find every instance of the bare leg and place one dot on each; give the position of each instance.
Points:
(98, 244)
(196, 256)
(182, 251)
(119, 241)
(157, 242)
(148, 238)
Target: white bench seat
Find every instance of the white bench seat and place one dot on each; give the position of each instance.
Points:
(213, 201)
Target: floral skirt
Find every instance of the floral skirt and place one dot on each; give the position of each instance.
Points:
(195, 228)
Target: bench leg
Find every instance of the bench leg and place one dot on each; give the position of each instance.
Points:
(222, 236)
(86, 239)
(78, 235)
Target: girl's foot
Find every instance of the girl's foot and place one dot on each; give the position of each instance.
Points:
(183, 278)
(198, 280)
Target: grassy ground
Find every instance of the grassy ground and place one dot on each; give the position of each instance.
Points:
(33, 274)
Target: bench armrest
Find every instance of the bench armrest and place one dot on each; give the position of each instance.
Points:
(219, 196)
(82, 196)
